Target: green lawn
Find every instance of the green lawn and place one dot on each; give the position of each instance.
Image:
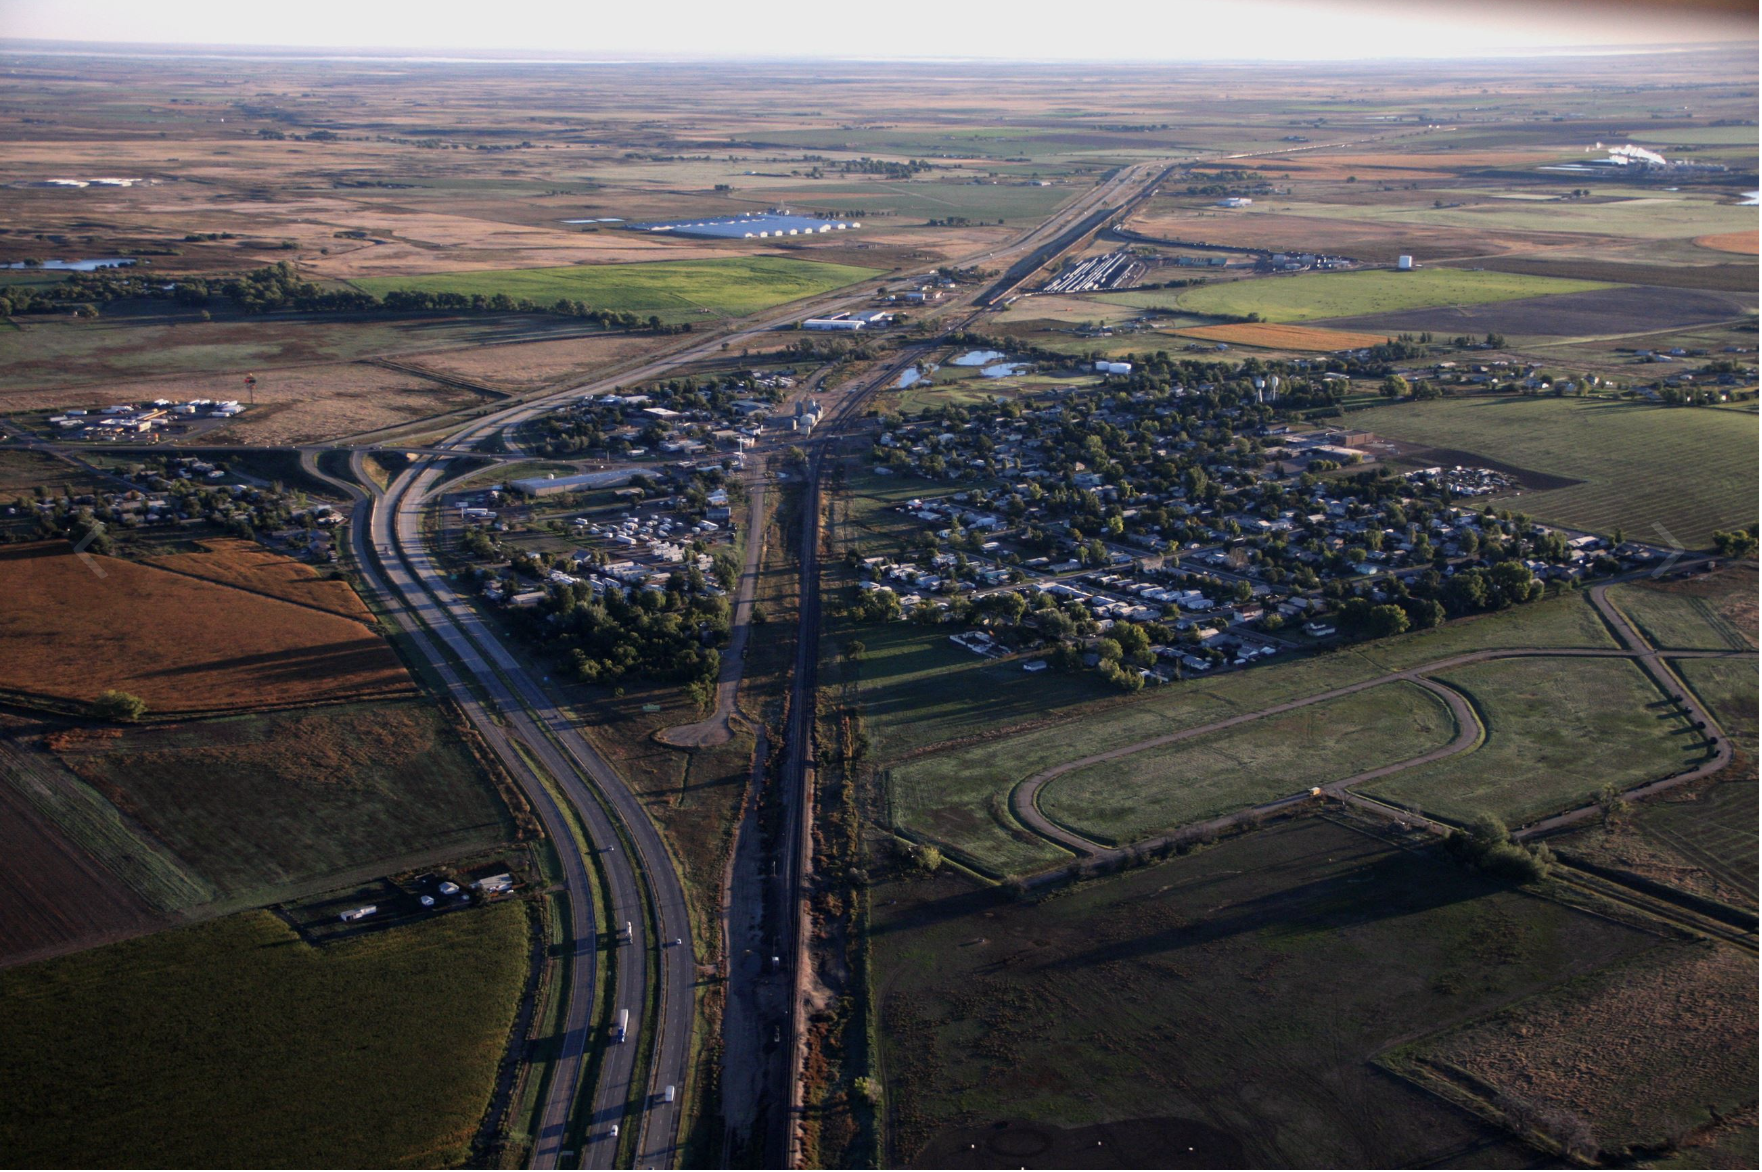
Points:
(1314, 296)
(731, 285)
(234, 1044)
(1566, 621)
(1728, 688)
(1557, 732)
(1158, 789)
(1641, 467)
(255, 809)
(1684, 622)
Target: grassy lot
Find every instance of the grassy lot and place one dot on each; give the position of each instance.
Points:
(1672, 618)
(22, 473)
(1558, 731)
(1641, 1052)
(957, 733)
(1314, 296)
(1566, 621)
(1728, 688)
(894, 204)
(257, 808)
(734, 285)
(1131, 797)
(234, 1044)
(1642, 466)
(1228, 1001)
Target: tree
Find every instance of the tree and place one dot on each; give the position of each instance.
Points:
(1394, 387)
(928, 858)
(1737, 544)
(118, 706)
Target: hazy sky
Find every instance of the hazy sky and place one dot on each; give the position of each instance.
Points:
(1010, 29)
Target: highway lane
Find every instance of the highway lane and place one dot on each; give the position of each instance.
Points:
(538, 722)
(378, 577)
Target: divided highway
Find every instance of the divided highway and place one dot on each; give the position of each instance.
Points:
(533, 735)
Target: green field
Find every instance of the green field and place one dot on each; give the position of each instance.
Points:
(1728, 688)
(1019, 725)
(1228, 1002)
(1161, 788)
(234, 1044)
(1640, 466)
(1315, 296)
(1683, 622)
(1557, 732)
(732, 285)
(254, 809)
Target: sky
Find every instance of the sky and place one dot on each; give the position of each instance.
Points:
(1138, 30)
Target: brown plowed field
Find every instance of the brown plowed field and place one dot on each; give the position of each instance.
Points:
(57, 897)
(231, 561)
(73, 626)
(1739, 242)
(1281, 337)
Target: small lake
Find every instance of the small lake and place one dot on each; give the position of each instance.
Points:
(77, 266)
(1003, 369)
(1751, 202)
(976, 358)
(912, 377)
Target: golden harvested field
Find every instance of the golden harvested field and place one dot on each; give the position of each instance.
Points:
(521, 366)
(1415, 166)
(73, 626)
(1743, 243)
(1280, 337)
(232, 561)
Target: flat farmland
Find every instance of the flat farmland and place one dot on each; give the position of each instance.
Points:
(1743, 243)
(1607, 312)
(257, 808)
(232, 561)
(1557, 732)
(1649, 216)
(1309, 297)
(1131, 797)
(730, 285)
(181, 644)
(1703, 614)
(523, 366)
(61, 897)
(1275, 337)
(1376, 241)
(1640, 466)
(50, 353)
(1641, 1053)
(1220, 1010)
(234, 1043)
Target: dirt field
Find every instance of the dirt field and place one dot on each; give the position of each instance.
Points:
(1277, 337)
(1727, 278)
(183, 645)
(1595, 313)
(1639, 1054)
(1743, 243)
(232, 561)
(1362, 240)
(58, 897)
(525, 366)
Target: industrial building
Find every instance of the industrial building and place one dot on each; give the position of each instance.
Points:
(552, 485)
(838, 321)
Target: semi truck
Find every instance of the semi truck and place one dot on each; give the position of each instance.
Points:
(622, 1029)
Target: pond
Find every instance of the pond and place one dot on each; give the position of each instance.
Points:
(76, 266)
(976, 358)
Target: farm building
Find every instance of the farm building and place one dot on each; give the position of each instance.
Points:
(838, 321)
